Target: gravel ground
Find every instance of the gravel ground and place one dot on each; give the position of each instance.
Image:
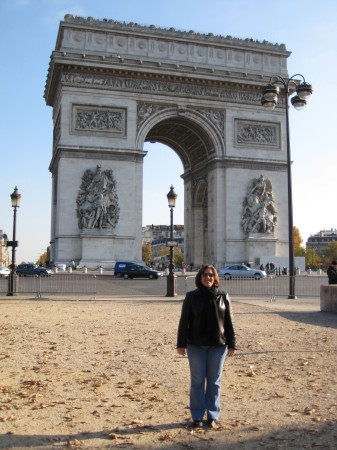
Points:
(101, 374)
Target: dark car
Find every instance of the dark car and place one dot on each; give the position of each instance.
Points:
(32, 269)
(136, 271)
(122, 265)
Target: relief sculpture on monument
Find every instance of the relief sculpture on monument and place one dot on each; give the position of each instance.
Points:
(97, 200)
(259, 212)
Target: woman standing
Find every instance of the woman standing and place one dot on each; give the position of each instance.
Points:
(206, 329)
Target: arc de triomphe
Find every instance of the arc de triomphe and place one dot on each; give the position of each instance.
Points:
(114, 86)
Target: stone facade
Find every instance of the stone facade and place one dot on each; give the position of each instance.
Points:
(113, 86)
(4, 257)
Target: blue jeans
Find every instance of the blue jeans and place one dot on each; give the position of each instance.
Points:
(206, 365)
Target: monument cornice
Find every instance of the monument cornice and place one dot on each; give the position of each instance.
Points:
(111, 25)
(234, 163)
(95, 153)
(246, 163)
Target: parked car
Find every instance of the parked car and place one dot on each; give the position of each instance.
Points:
(241, 271)
(32, 269)
(4, 272)
(137, 271)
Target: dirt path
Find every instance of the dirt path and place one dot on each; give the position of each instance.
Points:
(105, 374)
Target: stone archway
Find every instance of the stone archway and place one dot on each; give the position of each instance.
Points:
(195, 142)
(114, 86)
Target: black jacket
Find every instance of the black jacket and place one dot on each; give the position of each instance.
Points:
(206, 320)
(332, 274)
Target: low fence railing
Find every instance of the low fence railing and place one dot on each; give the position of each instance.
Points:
(92, 285)
(271, 286)
(59, 284)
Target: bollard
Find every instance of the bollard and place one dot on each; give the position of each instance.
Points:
(85, 270)
(70, 269)
(100, 270)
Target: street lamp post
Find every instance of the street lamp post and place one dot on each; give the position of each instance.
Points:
(13, 278)
(171, 278)
(269, 100)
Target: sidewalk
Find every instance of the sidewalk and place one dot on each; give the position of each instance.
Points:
(281, 303)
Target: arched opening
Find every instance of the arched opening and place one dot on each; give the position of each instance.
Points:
(192, 148)
(191, 143)
(162, 168)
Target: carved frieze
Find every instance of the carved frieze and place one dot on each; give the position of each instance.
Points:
(97, 200)
(259, 212)
(168, 88)
(99, 120)
(249, 133)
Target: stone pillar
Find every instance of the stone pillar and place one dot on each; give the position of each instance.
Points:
(216, 216)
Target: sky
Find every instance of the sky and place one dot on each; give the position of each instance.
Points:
(28, 35)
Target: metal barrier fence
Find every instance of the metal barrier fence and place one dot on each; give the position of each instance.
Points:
(92, 285)
(271, 286)
(60, 284)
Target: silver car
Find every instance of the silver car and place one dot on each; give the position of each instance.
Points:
(4, 272)
(241, 271)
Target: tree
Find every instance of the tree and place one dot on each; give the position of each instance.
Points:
(298, 249)
(179, 259)
(146, 253)
(44, 258)
(312, 259)
(178, 256)
(330, 253)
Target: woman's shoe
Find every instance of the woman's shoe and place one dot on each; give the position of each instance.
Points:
(213, 423)
(197, 424)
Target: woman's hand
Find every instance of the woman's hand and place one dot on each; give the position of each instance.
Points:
(231, 352)
(181, 351)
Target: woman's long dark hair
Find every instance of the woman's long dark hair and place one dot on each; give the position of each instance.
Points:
(202, 270)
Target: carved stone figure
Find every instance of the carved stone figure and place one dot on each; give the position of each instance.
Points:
(97, 200)
(259, 213)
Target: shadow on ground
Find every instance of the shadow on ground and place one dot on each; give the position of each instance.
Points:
(169, 436)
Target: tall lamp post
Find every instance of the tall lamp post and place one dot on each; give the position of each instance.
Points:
(13, 278)
(171, 278)
(269, 100)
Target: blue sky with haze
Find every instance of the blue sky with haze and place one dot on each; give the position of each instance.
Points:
(28, 35)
